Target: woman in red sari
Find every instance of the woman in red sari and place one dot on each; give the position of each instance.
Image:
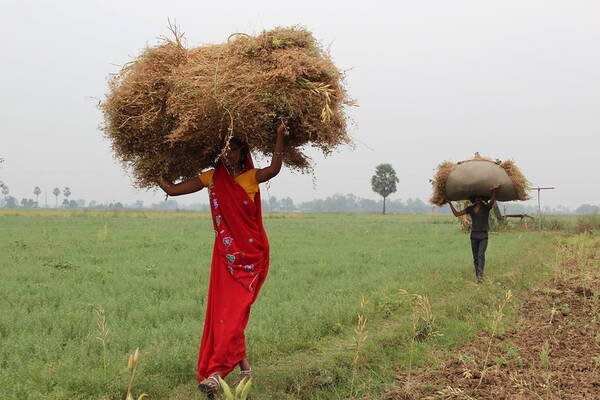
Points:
(240, 261)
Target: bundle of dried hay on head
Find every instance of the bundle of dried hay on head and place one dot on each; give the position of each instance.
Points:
(474, 177)
(172, 111)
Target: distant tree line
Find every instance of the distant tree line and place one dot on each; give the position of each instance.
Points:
(338, 203)
(349, 203)
(531, 209)
(8, 201)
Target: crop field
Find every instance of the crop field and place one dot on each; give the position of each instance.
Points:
(80, 291)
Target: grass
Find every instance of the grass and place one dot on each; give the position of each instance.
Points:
(148, 273)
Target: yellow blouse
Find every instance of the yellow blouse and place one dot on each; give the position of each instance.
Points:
(246, 180)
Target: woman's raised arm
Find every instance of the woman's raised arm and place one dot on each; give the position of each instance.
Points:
(177, 189)
(264, 174)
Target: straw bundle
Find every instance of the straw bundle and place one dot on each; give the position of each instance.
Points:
(460, 181)
(172, 111)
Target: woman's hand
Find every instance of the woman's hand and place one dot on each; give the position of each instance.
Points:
(264, 174)
(495, 187)
(282, 129)
(164, 184)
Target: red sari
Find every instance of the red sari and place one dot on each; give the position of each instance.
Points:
(240, 264)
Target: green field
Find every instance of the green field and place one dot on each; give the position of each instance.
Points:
(149, 273)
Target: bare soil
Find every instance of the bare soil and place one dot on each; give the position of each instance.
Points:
(551, 351)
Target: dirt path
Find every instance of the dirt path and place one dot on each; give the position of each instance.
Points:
(551, 352)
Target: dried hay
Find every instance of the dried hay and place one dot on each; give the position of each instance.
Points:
(172, 111)
(439, 183)
(520, 184)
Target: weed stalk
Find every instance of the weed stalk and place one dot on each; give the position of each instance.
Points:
(498, 315)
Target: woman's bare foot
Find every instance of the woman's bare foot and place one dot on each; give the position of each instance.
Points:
(245, 371)
(210, 386)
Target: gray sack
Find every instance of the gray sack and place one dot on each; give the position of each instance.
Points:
(475, 177)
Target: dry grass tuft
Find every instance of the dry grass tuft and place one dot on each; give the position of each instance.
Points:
(439, 183)
(173, 110)
(102, 332)
(521, 184)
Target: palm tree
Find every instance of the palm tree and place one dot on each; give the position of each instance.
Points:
(37, 191)
(66, 193)
(384, 181)
(56, 192)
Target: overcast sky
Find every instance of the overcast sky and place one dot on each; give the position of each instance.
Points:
(435, 80)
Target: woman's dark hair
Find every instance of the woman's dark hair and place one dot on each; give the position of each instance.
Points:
(243, 152)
